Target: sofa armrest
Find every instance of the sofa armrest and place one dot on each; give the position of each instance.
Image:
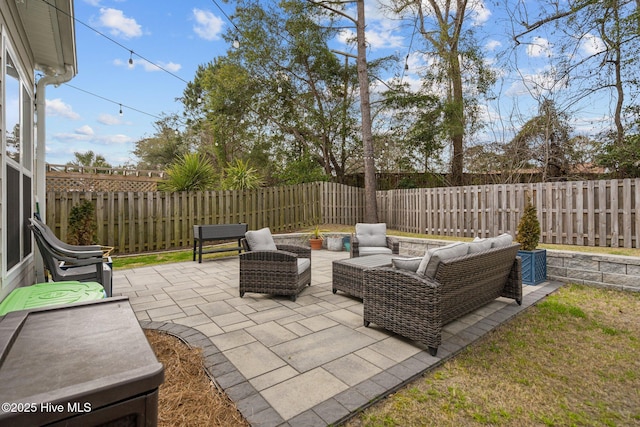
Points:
(513, 287)
(404, 302)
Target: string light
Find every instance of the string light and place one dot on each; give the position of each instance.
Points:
(121, 110)
(131, 57)
(115, 42)
(113, 102)
(236, 41)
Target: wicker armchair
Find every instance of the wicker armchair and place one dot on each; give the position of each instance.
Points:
(280, 270)
(417, 307)
(372, 239)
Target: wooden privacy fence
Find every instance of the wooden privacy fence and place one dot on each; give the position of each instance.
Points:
(134, 222)
(586, 213)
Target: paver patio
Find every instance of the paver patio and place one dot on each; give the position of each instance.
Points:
(304, 363)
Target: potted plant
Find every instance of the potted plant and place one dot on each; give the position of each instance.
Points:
(315, 238)
(534, 261)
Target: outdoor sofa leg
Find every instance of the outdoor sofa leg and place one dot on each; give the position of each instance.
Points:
(241, 294)
(433, 351)
(366, 323)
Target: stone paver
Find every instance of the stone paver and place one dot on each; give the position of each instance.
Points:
(304, 363)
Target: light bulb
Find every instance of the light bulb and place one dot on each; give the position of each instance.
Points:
(236, 43)
(120, 110)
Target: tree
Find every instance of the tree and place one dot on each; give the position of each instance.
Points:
(416, 126)
(623, 158)
(611, 31)
(458, 67)
(285, 94)
(164, 147)
(544, 139)
(89, 159)
(371, 210)
(82, 224)
(191, 172)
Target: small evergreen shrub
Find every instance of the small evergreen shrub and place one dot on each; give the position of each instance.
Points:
(528, 228)
(82, 224)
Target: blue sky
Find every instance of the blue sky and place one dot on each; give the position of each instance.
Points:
(179, 36)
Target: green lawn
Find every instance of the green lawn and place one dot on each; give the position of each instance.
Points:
(572, 360)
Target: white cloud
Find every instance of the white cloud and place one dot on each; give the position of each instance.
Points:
(56, 107)
(169, 66)
(492, 45)
(119, 24)
(377, 38)
(109, 119)
(208, 26)
(148, 66)
(591, 45)
(538, 47)
(542, 83)
(479, 12)
(85, 130)
(96, 139)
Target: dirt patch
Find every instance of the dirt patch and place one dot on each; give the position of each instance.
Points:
(188, 397)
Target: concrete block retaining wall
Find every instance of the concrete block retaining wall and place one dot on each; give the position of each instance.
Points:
(610, 271)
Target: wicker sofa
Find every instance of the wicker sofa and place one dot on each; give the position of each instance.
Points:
(417, 306)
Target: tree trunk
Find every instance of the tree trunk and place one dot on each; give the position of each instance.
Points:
(371, 209)
(457, 121)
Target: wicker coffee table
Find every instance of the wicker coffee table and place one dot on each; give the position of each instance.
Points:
(348, 274)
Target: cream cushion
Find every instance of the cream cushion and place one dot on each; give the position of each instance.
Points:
(410, 264)
(371, 234)
(505, 239)
(479, 245)
(260, 240)
(432, 258)
(374, 250)
(303, 265)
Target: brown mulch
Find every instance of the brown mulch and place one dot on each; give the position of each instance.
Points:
(188, 397)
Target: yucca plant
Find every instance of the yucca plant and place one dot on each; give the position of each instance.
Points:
(241, 176)
(192, 172)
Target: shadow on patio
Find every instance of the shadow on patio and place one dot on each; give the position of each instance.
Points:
(306, 363)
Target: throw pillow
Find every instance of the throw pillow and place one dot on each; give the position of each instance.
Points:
(371, 234)
(410, 264)
(479, 245)
(432, 258)
(505, 239)
(260, 240)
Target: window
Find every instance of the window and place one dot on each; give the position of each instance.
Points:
(17, 142)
